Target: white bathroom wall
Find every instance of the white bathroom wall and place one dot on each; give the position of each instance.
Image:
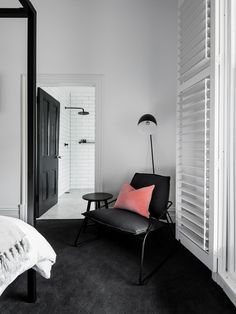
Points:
(132, 43)
(83, 127)
(64, 151)
(63, 96)
(77, 163)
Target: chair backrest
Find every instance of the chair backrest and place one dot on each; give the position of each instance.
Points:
(160, 195)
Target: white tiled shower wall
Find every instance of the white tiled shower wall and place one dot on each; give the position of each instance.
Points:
(83, 127)
(77, 163)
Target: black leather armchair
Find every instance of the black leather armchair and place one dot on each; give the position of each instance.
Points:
(131, 223)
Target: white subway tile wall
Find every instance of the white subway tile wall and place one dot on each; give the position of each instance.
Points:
(77, 165)
(83, 128)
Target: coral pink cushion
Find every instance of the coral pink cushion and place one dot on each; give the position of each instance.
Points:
(135, 200)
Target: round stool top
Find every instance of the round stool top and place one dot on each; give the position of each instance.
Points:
(98, 196)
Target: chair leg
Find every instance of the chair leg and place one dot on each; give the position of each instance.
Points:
(142, 259)
(88, 209)
(170, 224)
(142, 278)
(82, 228)
(168, 214)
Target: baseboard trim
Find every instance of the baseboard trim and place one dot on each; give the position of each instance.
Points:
(11, 212)
(228, 289)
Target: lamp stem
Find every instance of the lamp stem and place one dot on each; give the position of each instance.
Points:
(153, 167)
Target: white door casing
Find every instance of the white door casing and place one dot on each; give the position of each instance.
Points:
(226, 244)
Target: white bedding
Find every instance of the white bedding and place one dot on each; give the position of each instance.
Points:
(41, 255)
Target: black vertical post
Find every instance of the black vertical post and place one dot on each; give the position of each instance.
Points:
(31, 98)
(31, 285)
(153, 167)
(32, 166)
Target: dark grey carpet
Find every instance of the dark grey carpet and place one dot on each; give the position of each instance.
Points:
(100, 277)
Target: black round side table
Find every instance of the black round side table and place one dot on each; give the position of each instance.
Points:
(97, 197)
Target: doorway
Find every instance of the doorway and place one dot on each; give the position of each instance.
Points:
(76, 155)
(64, 80)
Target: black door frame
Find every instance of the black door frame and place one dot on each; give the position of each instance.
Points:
(28, 11)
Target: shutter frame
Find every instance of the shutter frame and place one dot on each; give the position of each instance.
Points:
(195, 138)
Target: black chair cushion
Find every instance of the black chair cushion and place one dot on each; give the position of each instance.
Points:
(120, 219)
(160, 194)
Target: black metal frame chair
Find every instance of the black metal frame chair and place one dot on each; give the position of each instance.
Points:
(131, 223)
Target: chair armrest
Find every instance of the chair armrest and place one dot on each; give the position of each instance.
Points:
(169, 204)
(166, 210)
(110, 202)
(152, 219)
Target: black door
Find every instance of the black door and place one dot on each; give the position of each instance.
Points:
(48, 150)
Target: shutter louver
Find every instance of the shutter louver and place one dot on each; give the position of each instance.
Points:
(193, 166)
(194, 49)
(193, 125)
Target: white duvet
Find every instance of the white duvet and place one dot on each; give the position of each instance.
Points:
(41, 255)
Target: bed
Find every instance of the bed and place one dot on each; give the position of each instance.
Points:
(22, 248)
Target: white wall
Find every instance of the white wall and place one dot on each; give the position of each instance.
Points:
(133, 44)
(12, 63)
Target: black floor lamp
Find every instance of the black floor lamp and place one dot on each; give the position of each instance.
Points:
(148, 124)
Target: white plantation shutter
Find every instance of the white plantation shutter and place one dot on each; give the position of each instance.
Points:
(193, 166)
(194, 125)
(194, 39)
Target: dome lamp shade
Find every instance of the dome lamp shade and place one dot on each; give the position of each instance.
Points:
(148, 123)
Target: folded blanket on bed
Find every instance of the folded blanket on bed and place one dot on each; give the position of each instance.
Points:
(14, 247)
